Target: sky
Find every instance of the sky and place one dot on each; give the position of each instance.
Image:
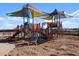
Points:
(8, 22)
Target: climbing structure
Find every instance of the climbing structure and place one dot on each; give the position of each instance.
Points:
(35, 30)
(54, 27)
(26, 13)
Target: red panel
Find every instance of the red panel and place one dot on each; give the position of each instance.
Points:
(36, 27)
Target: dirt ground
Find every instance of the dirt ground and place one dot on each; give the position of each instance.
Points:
(6, 48)
(63, 46)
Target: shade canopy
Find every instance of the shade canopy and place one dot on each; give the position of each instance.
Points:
(57, 14)
(36, 12)
(25, 11)
(20, 13)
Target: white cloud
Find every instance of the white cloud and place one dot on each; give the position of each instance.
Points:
(9, 22)
(76, 13)
(65, 22)
(1, 18)
(71, 23)
(14, 18)
(8, 25)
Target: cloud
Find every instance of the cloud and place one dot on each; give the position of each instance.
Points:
(71, 23)
(7, 26)
(1, 18)
(76, 13)
(9, 22)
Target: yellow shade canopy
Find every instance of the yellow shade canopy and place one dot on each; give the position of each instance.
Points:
(20, 13)
(48, 18)
(24, 12)
(35, 12)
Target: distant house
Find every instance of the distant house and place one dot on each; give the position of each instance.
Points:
(7, 32)
(71, 31)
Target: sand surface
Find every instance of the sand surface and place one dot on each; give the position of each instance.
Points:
(5, 48)
(65, 45)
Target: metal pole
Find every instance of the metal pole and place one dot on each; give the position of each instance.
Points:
(24, 26)
(27, 18)
(54, 18)
(59, 26)
(32, 21)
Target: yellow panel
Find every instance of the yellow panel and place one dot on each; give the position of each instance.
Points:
(36, 13)
(18, 13)
(48, 18)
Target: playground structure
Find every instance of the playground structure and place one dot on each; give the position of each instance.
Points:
(35, 32)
